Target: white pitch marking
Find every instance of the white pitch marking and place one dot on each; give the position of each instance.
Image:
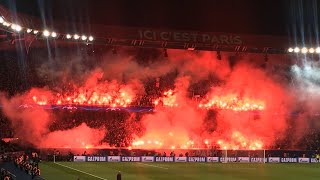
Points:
(248, 168)
(81, 171)
(153, 166)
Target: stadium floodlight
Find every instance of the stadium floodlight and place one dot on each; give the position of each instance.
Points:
(311, 50)
(54, 34)
(83, 37)
(318, 50)
(35, 31)
(290, 50)
(18, 28)
(90, 38)
(1, 20)
(296, 50)
(46, 33)
(29, 30)
(304, 50)
(13, 26)
(6, 24)
(76, 36)
(68, 36)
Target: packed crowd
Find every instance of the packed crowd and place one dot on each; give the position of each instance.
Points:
(6, 175)
(21, 157)
(120, 128)
(29, 165)
(7, 149)
(5, 130)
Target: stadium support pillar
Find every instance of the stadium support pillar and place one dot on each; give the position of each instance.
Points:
(225, 156)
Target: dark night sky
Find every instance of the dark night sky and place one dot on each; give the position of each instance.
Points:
(273, 17)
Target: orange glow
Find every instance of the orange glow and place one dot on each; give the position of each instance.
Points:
(169, 99)
(232, 102)
(95, 98)
(42, 100)
(169, 143)
(239, 141)
(210, 104)
(206, 142)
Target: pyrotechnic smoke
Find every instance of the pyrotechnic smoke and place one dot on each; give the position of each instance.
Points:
(179, 122)
(307, 79)
(306, 86)
(73, 66)
(66, 65)
(249, 83)
(174, 126)
(232, 128)
(32, 124)
(78, 137)
(29, 124)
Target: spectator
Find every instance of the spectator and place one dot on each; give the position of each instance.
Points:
(119, 176)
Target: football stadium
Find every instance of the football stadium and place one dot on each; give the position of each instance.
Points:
(157, 90)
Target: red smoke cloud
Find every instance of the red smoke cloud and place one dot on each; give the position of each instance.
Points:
(32, 124)
(183, 124)
(94, 92)
(78, 137)
(29, 124)
(261, 131)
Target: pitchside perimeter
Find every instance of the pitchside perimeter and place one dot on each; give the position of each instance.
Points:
(173, 171)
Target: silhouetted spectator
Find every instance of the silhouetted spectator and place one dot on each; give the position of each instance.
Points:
(119, 176)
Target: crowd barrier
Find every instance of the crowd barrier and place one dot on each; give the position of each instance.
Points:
(192, 159)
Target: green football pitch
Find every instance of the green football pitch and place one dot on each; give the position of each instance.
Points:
(175, 171)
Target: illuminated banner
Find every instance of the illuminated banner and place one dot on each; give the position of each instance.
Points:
(197, 159)
(79, 158)
(180, 159)
(258, 160)
(212, 159)
(96, 158)
(274, 160)
(304, 160)
(164, 159)
(147, 159)
(244, 159)
(289, 160)
(192, 159)
(228, 159)
(130, 159)
(192, 37)
(114, 158)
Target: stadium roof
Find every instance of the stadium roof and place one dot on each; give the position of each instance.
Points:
(241, 17)
(237, 26)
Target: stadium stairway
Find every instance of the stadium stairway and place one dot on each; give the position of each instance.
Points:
(17, 172)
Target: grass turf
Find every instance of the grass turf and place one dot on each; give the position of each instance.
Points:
(174, 171)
